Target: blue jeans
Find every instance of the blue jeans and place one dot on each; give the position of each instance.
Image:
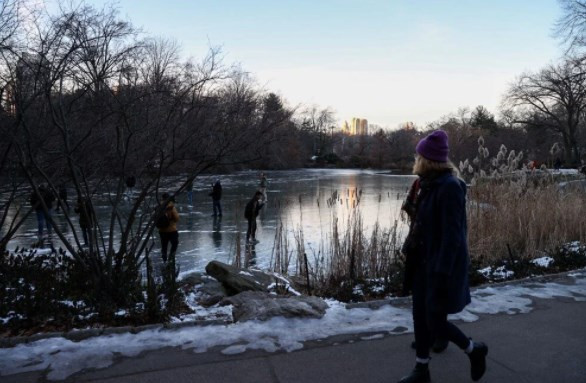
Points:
(217, 207)
(190, 198)
(42, 221)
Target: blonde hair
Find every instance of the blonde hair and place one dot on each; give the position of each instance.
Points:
(424, 166)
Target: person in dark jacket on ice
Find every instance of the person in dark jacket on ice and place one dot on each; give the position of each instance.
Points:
(44, 213)
(87, 219)
(250, 213)
(439, 279)
(216, 195)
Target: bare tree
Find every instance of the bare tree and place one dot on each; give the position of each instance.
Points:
(161, 61)
(94, 105)
(318, 122)
(23, 80)
(558, 94)
(99, 42)
(9, 23)
(571, 27)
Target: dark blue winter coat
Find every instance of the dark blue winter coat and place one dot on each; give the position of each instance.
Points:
(442, 236)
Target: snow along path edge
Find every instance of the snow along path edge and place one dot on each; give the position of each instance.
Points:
(77, 335)
(61, 358)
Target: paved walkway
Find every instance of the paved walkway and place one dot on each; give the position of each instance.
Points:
(546, 345)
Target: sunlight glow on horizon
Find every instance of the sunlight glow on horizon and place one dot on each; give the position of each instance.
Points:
(389, 62)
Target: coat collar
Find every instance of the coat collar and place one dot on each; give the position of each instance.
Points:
(435, 178)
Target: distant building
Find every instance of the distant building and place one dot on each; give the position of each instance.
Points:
(363, 127)
(407, 125)
(357, 127)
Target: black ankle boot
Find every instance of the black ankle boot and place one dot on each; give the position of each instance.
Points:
(478, 360)
(420, 374)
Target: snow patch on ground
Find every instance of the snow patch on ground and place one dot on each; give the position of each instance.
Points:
(62, 357)
(496, 273)
(357, 290)
(542, 261)
(574, 247)
(201, 313)
(564, 171)
(373, 337)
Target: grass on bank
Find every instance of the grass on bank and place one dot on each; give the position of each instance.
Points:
(511, 222)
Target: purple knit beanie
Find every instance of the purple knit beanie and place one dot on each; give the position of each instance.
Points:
(434, 147)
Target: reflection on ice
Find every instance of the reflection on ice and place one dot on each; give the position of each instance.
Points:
(298, 199)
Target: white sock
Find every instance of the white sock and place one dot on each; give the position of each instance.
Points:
(470, 347)
(422, 360)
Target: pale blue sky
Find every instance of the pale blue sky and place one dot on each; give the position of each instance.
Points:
(389, 61)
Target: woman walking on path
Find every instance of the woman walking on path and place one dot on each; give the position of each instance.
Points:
(409, 207)
(439, 250)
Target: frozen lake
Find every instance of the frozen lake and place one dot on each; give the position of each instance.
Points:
(297, 199)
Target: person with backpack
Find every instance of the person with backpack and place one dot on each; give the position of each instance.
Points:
(216, 195)
(250, 213)
(43, 216)
(440, 258)
(166, 222)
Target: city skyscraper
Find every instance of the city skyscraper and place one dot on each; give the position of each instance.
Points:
(363, 127)
(357, 126)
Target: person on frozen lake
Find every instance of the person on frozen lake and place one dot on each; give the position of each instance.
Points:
(262, 187)
(43, 212)
(167, 225)
(216, 195)
(87, 218)
(189, 189)
(440, 271)
(250, 213)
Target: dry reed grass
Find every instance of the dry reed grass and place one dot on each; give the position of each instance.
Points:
(526, 214)
(355, 256)
(347, 254)
(513, 219)
(530, 217)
